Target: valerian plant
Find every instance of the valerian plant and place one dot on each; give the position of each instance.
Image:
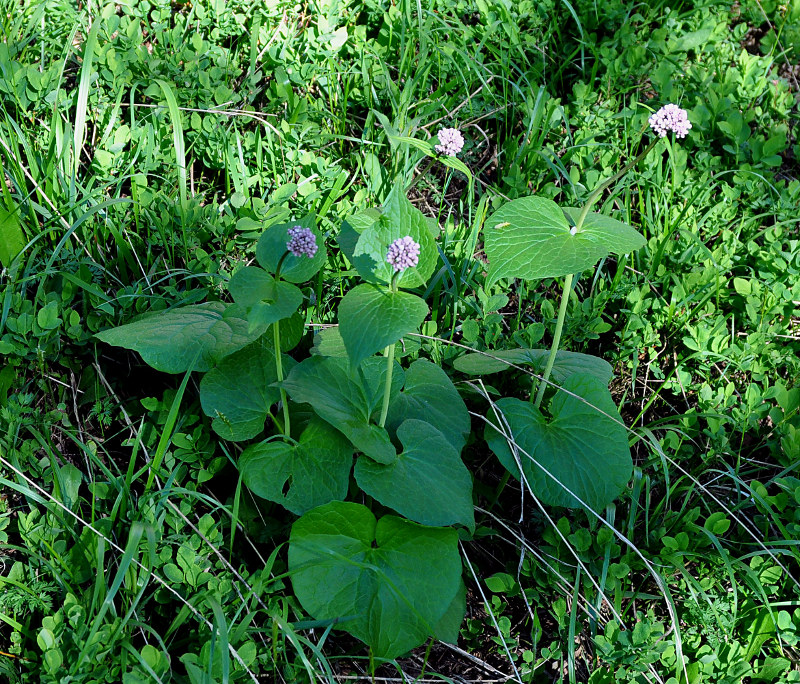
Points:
(347, 414)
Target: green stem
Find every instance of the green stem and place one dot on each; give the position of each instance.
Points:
(287, 427)
(599, 189)
(387, 390)
(562, 312)
(562, 309)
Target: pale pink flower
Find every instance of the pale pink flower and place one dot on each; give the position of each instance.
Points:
(670, 118)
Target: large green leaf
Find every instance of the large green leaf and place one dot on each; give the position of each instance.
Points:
(347, 398)
(169, 341)
(300, 476)
(267, 300)
(12, 239)
(237, 393)
(351, 230)
(429, 395)
(531, 238)
(272, 246)
(398, 219)
(391, 581)
(427, 483)
(252, 285)
(371, 318)
(566, 363)
(288, 299)
(582, 448)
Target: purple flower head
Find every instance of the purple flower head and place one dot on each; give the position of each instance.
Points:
(451, 141)
(302, 242)
(403, 253)
(670, 118)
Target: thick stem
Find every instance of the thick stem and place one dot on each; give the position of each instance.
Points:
(562, 313)
(287, 427)
(387, 390)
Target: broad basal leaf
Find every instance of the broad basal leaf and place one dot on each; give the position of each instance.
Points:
(372, 317)
(272, 246)
(583, 448)
(170, 340)
(347, 398)
(398, 219)
(429, 395)
(531, 238)
(300, 476)
(237, 393)
(391, 581)
(427, 483)
(566, 363)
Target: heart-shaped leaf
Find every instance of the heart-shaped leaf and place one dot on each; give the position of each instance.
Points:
(399, 218)
(566, 363)
(391, 581)
(252, 285)
(427, 483)
(429, 395)
(296, 269)
(266, 300)
(530, 238)
(371, 318)
(237, 393)
(347, 398)
(582, 448)
(288, 299)
(170, 340)
(300, 476)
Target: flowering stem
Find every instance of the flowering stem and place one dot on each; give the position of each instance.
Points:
(562, 312)
(387, 390)
(599, 189)
(416, 178)
(287, 427)
(389, 354)
(280, 263)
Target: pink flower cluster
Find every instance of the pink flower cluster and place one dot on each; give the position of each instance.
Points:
(670, 118)
(302, 242)
(450, 142)
(403, 253)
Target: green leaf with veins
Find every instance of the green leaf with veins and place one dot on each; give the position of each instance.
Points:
(531, 238)
(429, 395)
(399, 218)
(566, 363)
(584, 446)
(372, 317)
(390, 582)
(170, 340)
(347, 398)
(300, 476)
(427, 483)
(237, 393)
